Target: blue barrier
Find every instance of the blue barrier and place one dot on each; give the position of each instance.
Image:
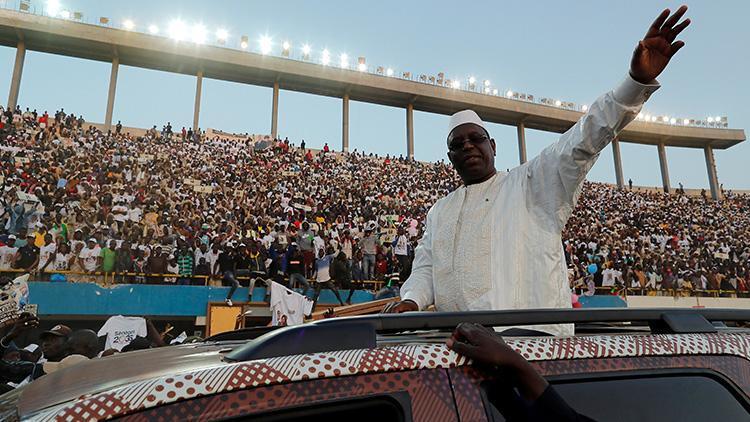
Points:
(139, 299)
(602, 301)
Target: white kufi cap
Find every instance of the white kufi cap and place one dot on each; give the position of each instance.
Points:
(463, 117)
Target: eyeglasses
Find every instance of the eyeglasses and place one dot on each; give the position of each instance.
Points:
(458, 144)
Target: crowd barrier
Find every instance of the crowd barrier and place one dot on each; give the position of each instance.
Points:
(634, 291)
(111, 278)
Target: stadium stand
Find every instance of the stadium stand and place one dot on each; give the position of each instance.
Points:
(83, 205)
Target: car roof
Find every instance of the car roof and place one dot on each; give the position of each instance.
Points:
(119, 369)
(227, 376)
(415, 332)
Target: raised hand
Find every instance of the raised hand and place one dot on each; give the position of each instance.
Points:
(654, 51)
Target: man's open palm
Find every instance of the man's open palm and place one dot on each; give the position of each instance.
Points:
(653, 53)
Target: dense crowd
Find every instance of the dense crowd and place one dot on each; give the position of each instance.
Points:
(176, 206)
(648, 242)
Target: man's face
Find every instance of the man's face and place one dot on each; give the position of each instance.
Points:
(53, 346)
(471, 152)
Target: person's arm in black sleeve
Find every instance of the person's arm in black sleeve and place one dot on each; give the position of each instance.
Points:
(539, 400)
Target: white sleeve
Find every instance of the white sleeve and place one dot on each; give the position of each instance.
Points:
(418, 287)
(552, 179)
(307, 306)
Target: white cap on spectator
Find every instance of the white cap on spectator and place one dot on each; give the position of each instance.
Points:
(12, 237)
(92, 240)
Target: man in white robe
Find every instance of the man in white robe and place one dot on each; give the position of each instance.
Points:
(495, 243)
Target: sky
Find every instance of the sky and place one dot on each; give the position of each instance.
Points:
(572, 50)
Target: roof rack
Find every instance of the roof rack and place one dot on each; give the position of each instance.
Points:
(360, 331)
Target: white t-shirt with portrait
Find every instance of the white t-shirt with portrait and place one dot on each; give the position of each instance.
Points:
(288, 303)
(90, 257)
(6, 256)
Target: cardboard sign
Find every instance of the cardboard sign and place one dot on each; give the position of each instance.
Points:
(721, 255)
(22, 160)
(239, 193)
(389, 235)
(28, 197)
(302, 207)
(203, 189)
(288, 173)
(191, 182)
(14, 297)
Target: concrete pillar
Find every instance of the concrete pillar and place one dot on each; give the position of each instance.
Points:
(410, 131)
(275, 111)
(618, 163)
(713, 179)
(521, 143)
(345, 124)
(111, 94)
(15, 82)
(197, 107)
(664, 169)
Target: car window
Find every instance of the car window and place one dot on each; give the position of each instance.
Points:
(379, 408)
(638, 399)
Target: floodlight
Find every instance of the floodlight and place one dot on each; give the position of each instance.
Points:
(326, 57)
(639, 116)
(584, 108)
(486, 82)
(153, 29)
(265, 44)
(494, 91)
(508, 93)
(286, 46)
(128, 24)
(53, 7)
(177, 30)
(685, 121)
(710, 120)
(653, 118)
(456, 84)
(65, 14)
(362, 67)
(306, 49)
(222, 34)
(243, 42)
(672, 121)
(389, 72)
(344, 60)
(199, 34)
(665, 119)
(717, 119)
(558, 103)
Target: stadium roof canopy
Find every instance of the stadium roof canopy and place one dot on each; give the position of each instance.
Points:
(75, 39)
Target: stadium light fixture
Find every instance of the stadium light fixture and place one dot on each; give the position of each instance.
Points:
(558, 103)
(584, 108)
(325, 58)
(665, 119)
(265, 44)
(128, 24)
(672, 121)
(639, 116)
(653, 118)
(509, 93)
(177, 30)
(389, 72)
(361, 67)
(710, 120)
(472, 80)
(494, 91)
(243, 42)
(344, 62)
(153, 29)
(65, 14)
(717, 119)
(456, 84)
(306, 49)
(199, 34)
(685, 121)
(286, 46)
(486, 82)
(222, 35)
(53, 7)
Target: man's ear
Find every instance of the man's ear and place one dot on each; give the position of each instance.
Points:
(450, 158)
(494, 149)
